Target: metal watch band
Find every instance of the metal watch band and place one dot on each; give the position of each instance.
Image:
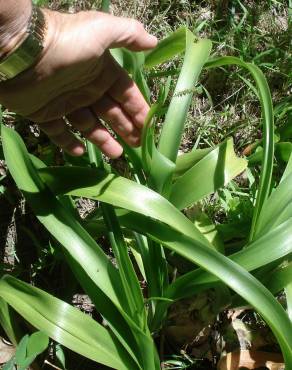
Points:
(25, 54)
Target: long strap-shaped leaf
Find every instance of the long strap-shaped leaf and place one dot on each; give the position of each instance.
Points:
(59, 222)
(221, 165)
(196, 54)
(127, 194)
(268, 130)
(81, 250)
(260, 252)
(65, 324)
(277, 209)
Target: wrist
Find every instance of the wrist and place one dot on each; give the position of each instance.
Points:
(14, 19)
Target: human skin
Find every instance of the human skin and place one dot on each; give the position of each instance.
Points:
(76, 77)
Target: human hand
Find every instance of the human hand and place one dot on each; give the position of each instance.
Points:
(77, 77)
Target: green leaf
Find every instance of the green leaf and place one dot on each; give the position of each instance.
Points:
(63, 323)
(268, 130)
(278, 208)
(20, 354)
(197, 52)
(93, 269)
(258, 254)
(124, 193)
(127, 194)
(283, 151)
(185, 161)
(288, 169)
(60, 355)
(8, 322)
(167, 48)
(221, 165)
(208, 229)
(279, 278)
(288, 293)
(37, 343)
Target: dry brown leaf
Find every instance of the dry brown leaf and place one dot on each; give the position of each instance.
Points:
(251, 360)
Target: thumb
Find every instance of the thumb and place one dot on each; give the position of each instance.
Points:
(128, 33)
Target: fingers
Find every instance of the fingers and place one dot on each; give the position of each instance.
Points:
(131, 100)
(112, 113)
(67, 102)
(125, 32)
(90, 127)
(58, 132)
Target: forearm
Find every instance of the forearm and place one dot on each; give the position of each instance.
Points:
(14, 17)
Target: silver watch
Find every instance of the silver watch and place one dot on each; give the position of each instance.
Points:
(26, 53)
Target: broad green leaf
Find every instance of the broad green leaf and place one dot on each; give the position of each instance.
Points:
(59, 222)
(268, 130)
(259, 253)
(37, 343)
(127, 194)
(153, 161)
(209, 230)
(283, 151)
(197, 52)
(212, 172)
(288, 169)
(129, 279)
(94, 271)
(277, 209)
(185, 161)
(119, 191)
(279, 278)
(64, 323)
(20, 354)
(167, 48)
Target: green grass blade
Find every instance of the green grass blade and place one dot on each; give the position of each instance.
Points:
(268, 130)
(221, 165)
(197, 52)
(64, 323)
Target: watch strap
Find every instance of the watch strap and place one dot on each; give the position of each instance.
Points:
(25, 54)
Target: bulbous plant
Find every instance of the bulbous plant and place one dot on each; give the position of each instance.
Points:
(147, 208)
